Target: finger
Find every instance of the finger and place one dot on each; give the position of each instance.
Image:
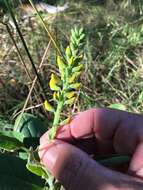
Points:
(101, 122)
(136, 164)
(76, 170)
(69, 165)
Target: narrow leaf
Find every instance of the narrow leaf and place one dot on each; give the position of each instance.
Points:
(35, 167)
(68, 52)
(118, 106)
(78, 68)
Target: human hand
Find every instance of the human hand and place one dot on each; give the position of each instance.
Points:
(108, 131)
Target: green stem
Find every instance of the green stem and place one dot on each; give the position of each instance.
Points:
(56, 119)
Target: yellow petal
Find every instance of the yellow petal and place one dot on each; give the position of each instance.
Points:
(66, 121)
(53, 83)
(74, 77)
(55, 95)
(48, 106)
(61, 66)
(70, 101)
(75, 86)
(55, 78)
(71, 61)
(70, 94)
(68, 52)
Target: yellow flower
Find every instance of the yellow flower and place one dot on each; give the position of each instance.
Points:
(61, 66)
(74, 77)
(75, 86)
(70, 101)
(66, 121)
(48, 106)
(55, 95)
(68, 52)
(70, 94)
(53, 82)
(71, 61)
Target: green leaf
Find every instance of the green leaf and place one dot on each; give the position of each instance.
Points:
(23, 155)
(13, 134)
(140, 98)
(29, 125)
(77, 68)
(12, 183)
(82, 37)
(118, 106)
(80, 31)
(10, 143)
(35, 167)
(68, 53)
(13, 166)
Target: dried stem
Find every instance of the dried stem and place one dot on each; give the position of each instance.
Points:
(34, 81)
(25, 45)
(19, 54)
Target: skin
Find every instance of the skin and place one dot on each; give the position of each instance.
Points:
(96, 132)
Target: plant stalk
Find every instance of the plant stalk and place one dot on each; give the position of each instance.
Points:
(25, 45)
(46, 28)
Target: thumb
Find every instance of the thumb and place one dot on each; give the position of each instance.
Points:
(71, 166)
(136, 165)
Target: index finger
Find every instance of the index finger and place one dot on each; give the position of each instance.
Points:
(101, 123)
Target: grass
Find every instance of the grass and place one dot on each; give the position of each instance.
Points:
(113, 56)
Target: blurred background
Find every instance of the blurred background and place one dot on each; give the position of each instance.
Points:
(113, 74)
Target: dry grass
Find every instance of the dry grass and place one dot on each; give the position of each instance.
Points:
(113, 56)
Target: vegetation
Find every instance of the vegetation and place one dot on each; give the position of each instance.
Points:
(32, 44)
